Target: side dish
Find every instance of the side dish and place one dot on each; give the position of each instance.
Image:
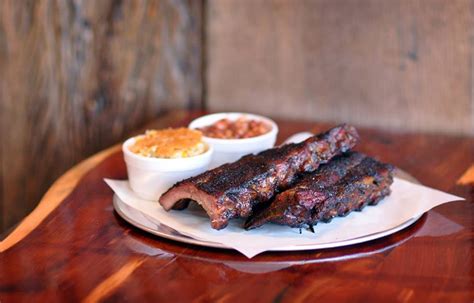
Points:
(169, 143)
(241, 128)
(233, 190)
(160, 158)
(234, 135)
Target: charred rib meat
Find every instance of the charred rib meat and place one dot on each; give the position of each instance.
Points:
(345, 184)
(232, 190)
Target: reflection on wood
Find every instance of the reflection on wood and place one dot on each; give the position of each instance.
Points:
(111, 283)
(468, 176)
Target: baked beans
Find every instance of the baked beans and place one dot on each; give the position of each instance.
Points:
(235, 129)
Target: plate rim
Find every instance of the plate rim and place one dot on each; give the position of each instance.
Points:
(188, 240)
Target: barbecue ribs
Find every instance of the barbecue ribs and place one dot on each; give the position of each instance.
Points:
(232, 190)
(347, 183)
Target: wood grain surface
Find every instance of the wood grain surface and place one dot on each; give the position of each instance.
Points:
(399, 64)
(468, 176)
(82, 251)
(67, 182)
(77, 76)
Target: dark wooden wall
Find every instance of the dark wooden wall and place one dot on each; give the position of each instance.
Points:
(401, 64)
(76, 76)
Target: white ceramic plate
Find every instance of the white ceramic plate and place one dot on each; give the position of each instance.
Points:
(148, 224)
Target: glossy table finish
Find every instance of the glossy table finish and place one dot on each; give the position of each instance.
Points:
(73, 247)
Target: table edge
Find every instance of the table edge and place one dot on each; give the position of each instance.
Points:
(55, 195)
(63, 186)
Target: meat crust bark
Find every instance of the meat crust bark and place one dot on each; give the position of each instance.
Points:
(347, 183)
(232, 190)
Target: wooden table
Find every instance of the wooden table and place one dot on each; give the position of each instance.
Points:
(73, 246)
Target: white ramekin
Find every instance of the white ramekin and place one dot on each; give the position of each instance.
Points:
(230, 150)
(150, 177)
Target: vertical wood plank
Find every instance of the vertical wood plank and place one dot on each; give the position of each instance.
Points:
(395, 64)
(79, 75)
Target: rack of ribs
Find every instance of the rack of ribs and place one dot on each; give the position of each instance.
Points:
(232, 190)
(347, 183)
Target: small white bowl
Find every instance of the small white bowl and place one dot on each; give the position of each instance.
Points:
(230, 150)
(150, 177)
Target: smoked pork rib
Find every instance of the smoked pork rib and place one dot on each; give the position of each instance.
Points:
(232, 190)
(347, 183)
